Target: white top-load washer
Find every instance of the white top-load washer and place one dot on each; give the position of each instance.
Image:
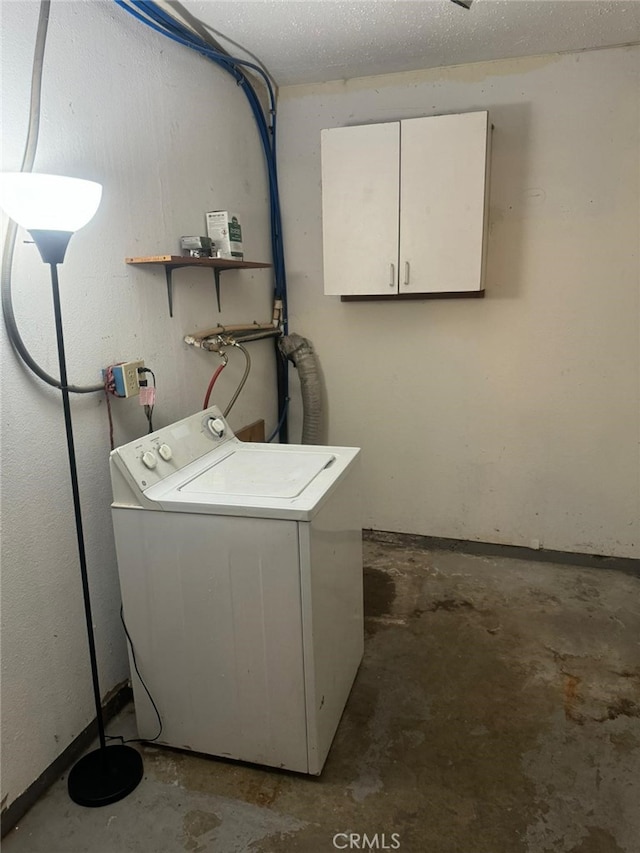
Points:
(241, 575)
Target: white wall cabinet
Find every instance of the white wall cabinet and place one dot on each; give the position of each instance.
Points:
(404, 207)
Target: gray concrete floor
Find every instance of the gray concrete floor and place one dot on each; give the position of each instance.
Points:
(497, 710)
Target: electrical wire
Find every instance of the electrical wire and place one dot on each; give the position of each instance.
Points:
(28, 159)
(206, 30)
(148, 409)
(199, 27)
(155, 707)
(195, 41)
(109, 391)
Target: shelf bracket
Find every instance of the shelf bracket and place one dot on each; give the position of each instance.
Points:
(216, 278)
(168, 271)
(176, 262)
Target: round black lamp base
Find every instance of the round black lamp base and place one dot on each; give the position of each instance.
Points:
(105, 776)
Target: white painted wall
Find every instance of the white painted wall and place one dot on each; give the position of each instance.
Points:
(514, 419)
(170, 136)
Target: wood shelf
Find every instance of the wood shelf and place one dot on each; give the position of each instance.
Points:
(174, 262)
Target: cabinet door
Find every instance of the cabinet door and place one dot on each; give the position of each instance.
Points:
(442, 203)
(360, 196)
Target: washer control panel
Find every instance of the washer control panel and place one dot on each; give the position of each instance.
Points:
(151, 458)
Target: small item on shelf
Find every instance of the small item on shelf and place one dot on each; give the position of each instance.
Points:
(197, 247)
(225, 232)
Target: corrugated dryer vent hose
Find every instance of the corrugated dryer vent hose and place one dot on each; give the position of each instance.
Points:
(300, 352)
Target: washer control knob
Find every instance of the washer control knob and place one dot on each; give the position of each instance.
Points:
(216, 427)
(165, 452)
(149, 459)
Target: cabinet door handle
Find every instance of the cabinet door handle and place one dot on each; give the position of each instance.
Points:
(406, 273)
(392, 275)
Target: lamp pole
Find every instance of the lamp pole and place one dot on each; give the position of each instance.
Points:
(52, 208)
(73, 470)
(107, 774)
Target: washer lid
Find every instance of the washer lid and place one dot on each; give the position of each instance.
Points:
(264, 474)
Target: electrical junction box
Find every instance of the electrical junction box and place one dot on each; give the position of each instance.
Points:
(126, 378)
(225, 232)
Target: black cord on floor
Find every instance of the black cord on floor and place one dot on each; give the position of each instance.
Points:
(155, 707)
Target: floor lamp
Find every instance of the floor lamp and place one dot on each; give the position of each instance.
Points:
(52, 208)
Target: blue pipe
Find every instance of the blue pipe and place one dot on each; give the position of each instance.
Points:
(195, 41)
(281, 421)
(163, 24)
(148, 13)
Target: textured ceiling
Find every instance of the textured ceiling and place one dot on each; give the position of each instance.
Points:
(307, 41)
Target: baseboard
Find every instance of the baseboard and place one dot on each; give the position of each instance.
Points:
(490, 549)
(119, 697)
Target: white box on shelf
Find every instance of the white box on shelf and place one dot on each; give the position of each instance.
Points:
(225, 232)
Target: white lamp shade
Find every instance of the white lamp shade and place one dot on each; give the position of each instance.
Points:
(48, 202)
